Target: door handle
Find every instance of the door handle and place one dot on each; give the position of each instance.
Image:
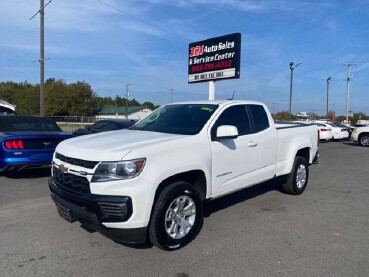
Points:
(252, 143)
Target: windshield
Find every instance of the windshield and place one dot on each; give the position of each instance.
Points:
(181, 119)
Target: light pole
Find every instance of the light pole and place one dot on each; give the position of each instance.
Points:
(348, 90)
(328, 81)
(292, 67)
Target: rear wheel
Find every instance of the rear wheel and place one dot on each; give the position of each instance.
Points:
(298, 178)
(177, 216)
(364, 140)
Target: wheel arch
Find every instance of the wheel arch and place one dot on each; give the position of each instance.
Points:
(361, 135)
(305, 153)
(195, 177)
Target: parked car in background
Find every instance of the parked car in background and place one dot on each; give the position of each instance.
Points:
(325, 133)
(350, 129)
(105, 125)
(6, 111)
(338, 132)
(358, 125)
(28, 142)
(361, 135)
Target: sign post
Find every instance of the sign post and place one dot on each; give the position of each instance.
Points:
(214, 59)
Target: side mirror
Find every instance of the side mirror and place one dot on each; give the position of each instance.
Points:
(226, 132)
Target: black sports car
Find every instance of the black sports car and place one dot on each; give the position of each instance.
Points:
(105, 125)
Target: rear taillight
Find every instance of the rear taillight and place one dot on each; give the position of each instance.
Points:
(324, 130)
(14, 144)
(343, 130)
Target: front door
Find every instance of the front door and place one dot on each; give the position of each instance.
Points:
(233, 159)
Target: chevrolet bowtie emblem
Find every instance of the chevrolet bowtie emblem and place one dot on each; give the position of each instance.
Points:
(63, 169)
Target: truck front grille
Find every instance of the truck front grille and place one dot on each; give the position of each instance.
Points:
(78, 162)
(71, 183)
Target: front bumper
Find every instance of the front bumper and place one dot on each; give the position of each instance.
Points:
(354, 137)
(94, 210)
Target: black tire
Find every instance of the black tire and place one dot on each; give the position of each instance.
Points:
(364, 139)
(298, 178)
(166, 227)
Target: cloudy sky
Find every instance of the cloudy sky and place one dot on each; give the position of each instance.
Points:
(110, 43)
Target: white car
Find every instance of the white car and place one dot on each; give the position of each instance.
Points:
(325, 133)
(338, 132)
(361, 135)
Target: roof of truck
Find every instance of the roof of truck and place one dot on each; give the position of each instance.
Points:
(216, 102)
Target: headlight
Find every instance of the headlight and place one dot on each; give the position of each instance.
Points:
(111, 171)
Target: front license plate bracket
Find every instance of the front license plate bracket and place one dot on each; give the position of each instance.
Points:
(65, 213)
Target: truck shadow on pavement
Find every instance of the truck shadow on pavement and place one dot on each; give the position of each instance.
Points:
(352, 143)
(241, 196)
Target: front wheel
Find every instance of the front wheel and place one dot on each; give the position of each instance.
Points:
(177, 216)
(298, 178)
(364, 140)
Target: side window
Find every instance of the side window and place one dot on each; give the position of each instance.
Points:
(235, 116)
(260, 117)
(109, 126)
(98, 125)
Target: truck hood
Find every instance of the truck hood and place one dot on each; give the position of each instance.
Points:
(111, 146)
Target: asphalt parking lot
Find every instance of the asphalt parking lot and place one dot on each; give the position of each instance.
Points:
(256, 232)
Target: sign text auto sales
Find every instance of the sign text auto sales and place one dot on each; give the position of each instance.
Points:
(215, 58)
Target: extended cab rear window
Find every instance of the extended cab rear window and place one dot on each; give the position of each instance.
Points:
(261, 121)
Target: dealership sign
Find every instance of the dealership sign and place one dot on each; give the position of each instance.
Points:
(215, 58)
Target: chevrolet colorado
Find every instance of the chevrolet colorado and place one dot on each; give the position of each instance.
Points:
(149, 182)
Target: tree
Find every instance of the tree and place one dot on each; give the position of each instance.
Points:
(283, 115)
(150, 105)
(119, 101)
(133, 102)
(331, 116)
(23, 95)
(61, 99)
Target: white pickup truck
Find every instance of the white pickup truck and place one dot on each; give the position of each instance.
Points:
(149, 182)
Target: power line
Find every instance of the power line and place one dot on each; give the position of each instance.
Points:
(142, 20)
(40, 10)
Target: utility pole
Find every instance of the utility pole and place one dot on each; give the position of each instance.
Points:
(127, 94)
(171, 95)
(348, 90)
(42, 60)
(292, 67)
(328, 81)
(42, 56)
